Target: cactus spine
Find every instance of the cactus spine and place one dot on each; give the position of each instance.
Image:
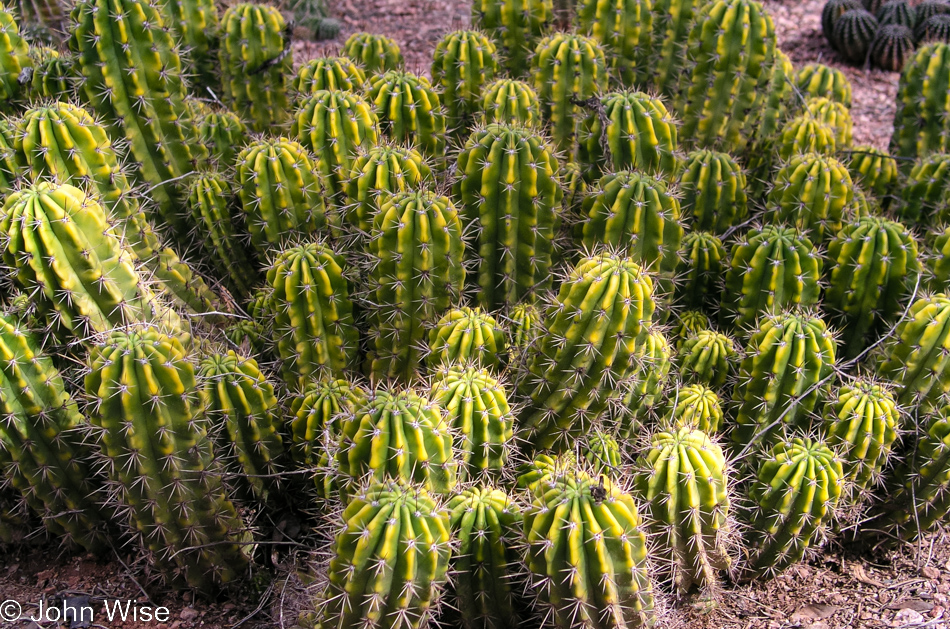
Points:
(873, 169)
(926, 191)
(317, 412)
(696, 407)
(671, 24)
(854, 33)
(645, 388)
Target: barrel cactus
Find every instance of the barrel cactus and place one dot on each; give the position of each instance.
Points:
(695, 407)
(830, 13)
(329, 73)
(936, 28)
(410, 111)
(510, 101)
(375, 54)
(806, 134)
(811, 192)
(892, 47)
(897, 12)
(707, 357)
(817, 80)
(834, 114)
(466, 335)
(700, 270)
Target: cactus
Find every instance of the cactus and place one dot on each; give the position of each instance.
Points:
(713, 189)
(854, 33)
(312, 313)
(672, 20)
(928, 8)
(417, 273)
(836, 116)
(938, 260)
(401, 436)
(8, 155)
(144, 399)
(921, 125)
(249, 336)
(463, 63)
(640, 215)
(389, 563)
(780, 100)
(770, 268)
(600, 579)
(566, 69)
(134, 79)
(645, 388)
(409, 111)
(280, 194)
(487, 524)
(507, 186)
(62, 250)
(601, 453)
(696, 407)
(700, 270)
(224, 133)
(194, 23)
(892, 47)
(334, 126)
(511, 102)
(376, 54)
(624, 28)
(816, 80)
(587, 349)
(210, 202)
(811, 192)
(542, 469)
(936, 28)
(916, 356)
(524, 324)
(830, 13)
(926, 191)
(14, 58)
(476, 408)
(873, 169)
(689, 322)
(240, 402)
(861, 422)
(795, 494)
(466, 335)
(516, 25)
(54, 76)
(729, 55)
(41, 445)
(640, 135)
(786, 372)
(897, 12)
(707, 357)
(329, 73)
(317, 412)
(806, 134)
(682, 481)
(46, 19)
(256, 64)
(382, 170)
(873, 270)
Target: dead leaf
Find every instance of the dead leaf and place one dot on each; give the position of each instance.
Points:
(912, 603)
(815, 611)
(857, 571)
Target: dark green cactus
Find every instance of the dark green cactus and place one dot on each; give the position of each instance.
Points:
(329, 73)
(144, 399)
(224, 133)
(510, 101)
(376, 54)
(873, 269)
(516, 25)
(874, 170)
(830, 13)
(382, 170)
(707, 357)
(700, 270)
(921, 124)
(463, 63)
(938, 259)
(936, 28)
(409, 111)
(466, 335)
(786, 372)
(817, 80)
(713, 188)
(508, 190)
(926, 191)
(892, 47)
(811, 192)
(624, 28)
(854, 32)
(256, 64)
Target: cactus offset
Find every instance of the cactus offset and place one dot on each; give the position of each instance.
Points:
(329, 73)
(707, 357)
(382, 170)
(714, 191)
(224, 133)
(646, 387)
(874, 170)
(466, 335)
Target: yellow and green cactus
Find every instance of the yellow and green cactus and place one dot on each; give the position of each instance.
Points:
(874, 170)
(512, 102)
(921, 125)
(409, 111)
(834, 114)
(380, 171)
(14, 58)
(925, 193)
(811, 192)
(317, 414)
(806, 134)
(695, 407)
(195, 26)
(524, 324)
(375, 54)
(707, 357)
(329, 73)
(224, 134)
(516, 25)
(689, 322)
(466, 335)
(625, 30)
(54, 75)
(713, 188)
(821, 81)
(601, 452)
(463, 63)
(672, 20)
(700, 270)
(645, 387)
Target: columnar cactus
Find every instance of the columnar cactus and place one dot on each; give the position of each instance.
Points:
(41, 447)
(917, 356)
(334, 126)
(873, 169)
(695, 407)
(63, 251)
(713, 189)
(818, 80)
(921, 124)
(587, 348)
(938, 260)
(707, 357)
(785, 373)
(417, 273)
(516, 25)
(729, 55)
(280, 192)
(926, 191)
(54, 76)
(382, 170)
(624, 28)
(873, 270)
(640, 135)
(317, 414)
(507, 186)
(466, 335)
(645, 389)
(476, 408)
(224, 134)
(601, 578)
(389, 562)
(463, 63)
(861, 421)
(854, 31)
(195, 26)
(132, 75)
(485, 566)
(144, 399)
(892, 47)
(256, 64)
(312, 313)
(639, 215)
(510, 101)
(567, 68)
(700, 270)
(806, 134)
(682, 481)
(770, 268)
(672, 20)
(780, 100)
(329, 73)
(811, 192)
(14, 57)
(409, 111)
(795, 494)
(376, 54)
(240, 403)
(400, 436)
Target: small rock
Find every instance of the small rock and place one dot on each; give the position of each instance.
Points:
(189, 613)
(813, 612)
(929, 572)
(907, 617)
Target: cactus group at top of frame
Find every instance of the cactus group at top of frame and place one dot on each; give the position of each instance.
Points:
(608, 308)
